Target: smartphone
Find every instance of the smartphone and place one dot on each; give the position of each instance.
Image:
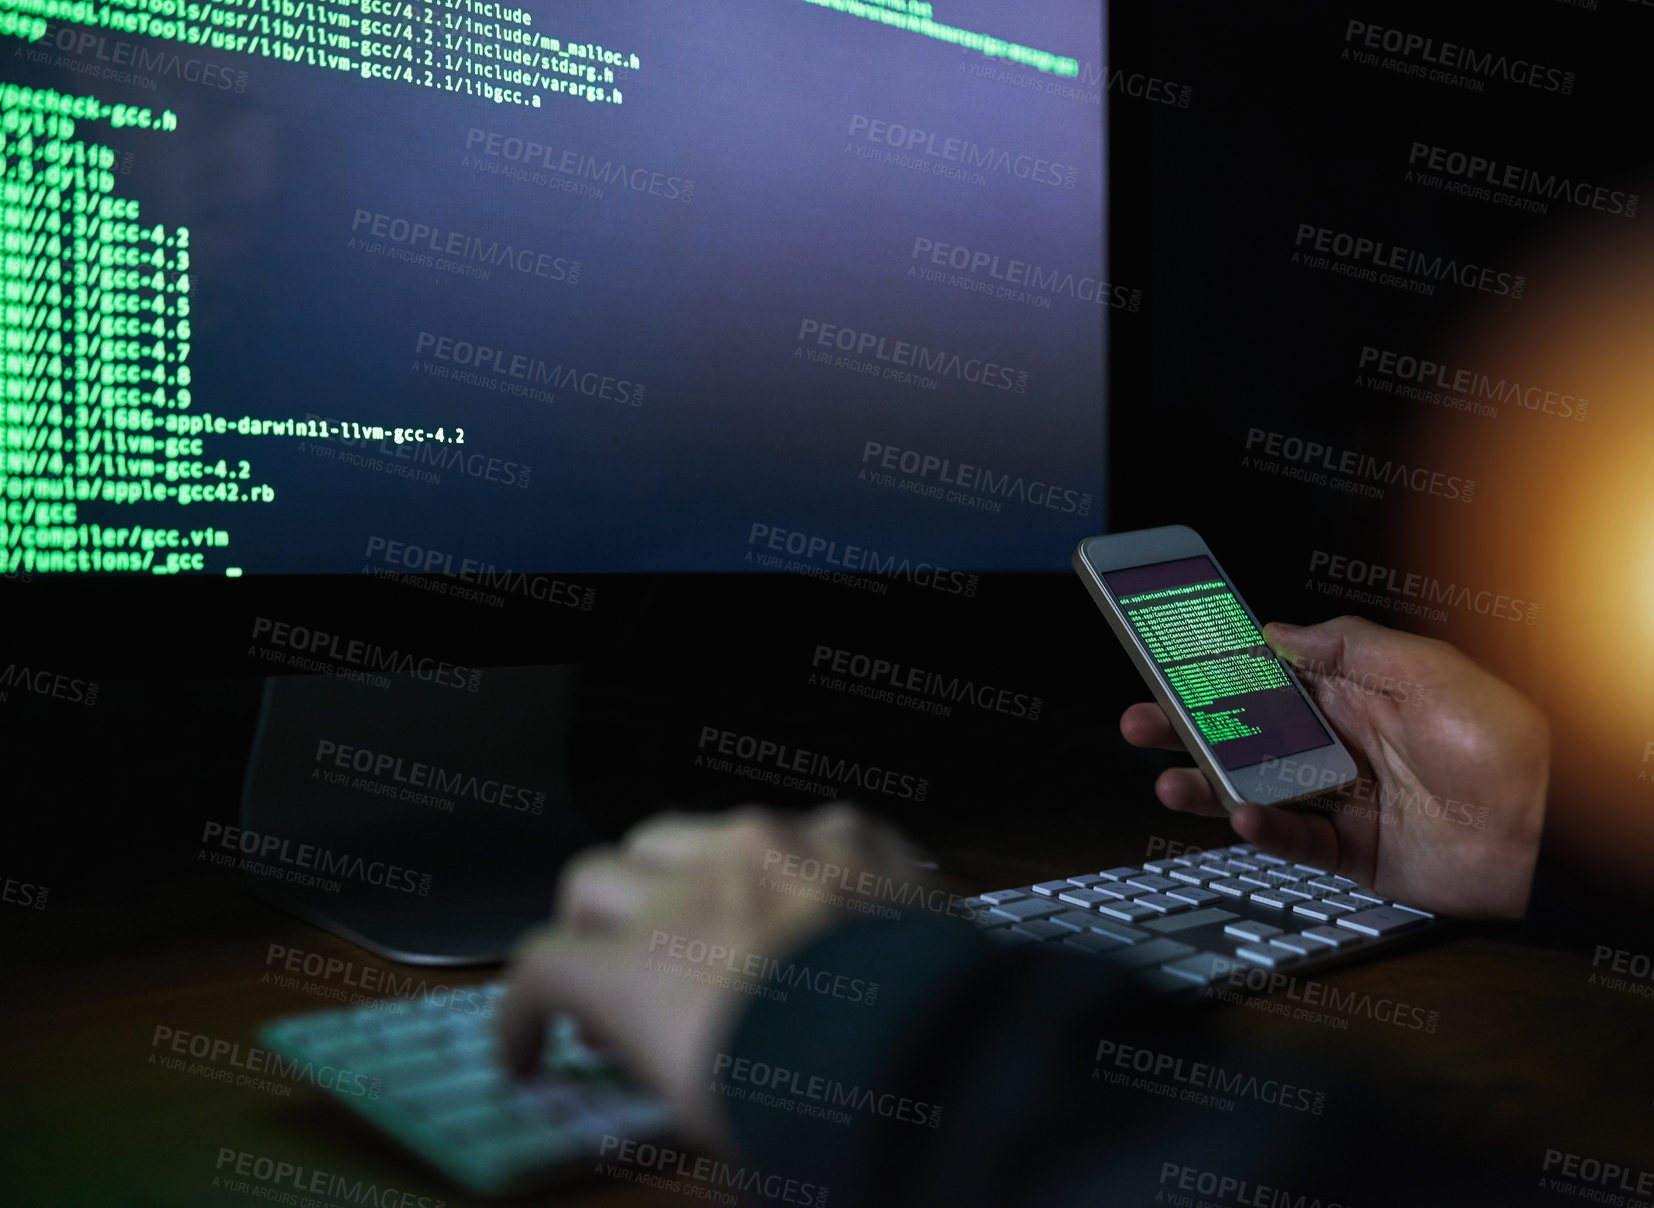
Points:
(1239, 709)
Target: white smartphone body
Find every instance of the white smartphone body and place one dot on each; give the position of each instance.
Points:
(1240, 710)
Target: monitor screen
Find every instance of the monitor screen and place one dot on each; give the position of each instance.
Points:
(598, 286)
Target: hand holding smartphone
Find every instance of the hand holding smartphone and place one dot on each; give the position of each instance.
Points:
(1239, 708)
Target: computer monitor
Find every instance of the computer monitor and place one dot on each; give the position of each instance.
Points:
(601, 287)
(405, 338)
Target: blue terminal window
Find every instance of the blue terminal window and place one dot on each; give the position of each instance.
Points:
(596, 286)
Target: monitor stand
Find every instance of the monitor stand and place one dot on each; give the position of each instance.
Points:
(425, 819)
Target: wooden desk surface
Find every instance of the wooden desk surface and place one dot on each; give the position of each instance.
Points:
(1521, 1047)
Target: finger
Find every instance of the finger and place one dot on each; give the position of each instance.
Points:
(845, 828)
(1186, 790)
(837, 818)
(672, 838)
(1303, 838)
(852, 844)
(755, 838)
(555, 970)
(600, 888)
(1145, 725)
(1356, 648)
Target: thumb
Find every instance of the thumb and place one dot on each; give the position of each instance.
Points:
(1346, 647)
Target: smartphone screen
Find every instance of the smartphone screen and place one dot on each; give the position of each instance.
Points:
(1235, 689)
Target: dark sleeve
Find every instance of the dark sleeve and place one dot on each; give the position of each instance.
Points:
(1030, 1075)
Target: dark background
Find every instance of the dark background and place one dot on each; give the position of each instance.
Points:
(108, 800)
(1231, 336)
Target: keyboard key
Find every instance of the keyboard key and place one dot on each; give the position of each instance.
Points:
(470, 1121)
(1162, 903)
(1272, 861)
(1296, 944)
(1367, 895)
(1027, 908)
(1347, 900)
(1093, 941)
(1183, 922)
(557, 1102)
(1243, 863)
(1119, 874)
(1310, 870)
(1282, 876)
(1276, 899)
(1259, 879)
(334, 1049)
(1235, 889)
(563, 1040)
(1085, 899)
(1161, 867)
(1042, 929)
(526, 1150)
(1000, 896)
(1202, 967)
(637, 1119)
(1051, 889)
(1223, 868)
(1120, 890)
(1074, 920)
(391, 1033)
(1321, 912)
(1130, 912)
(1152, 883)
(1006, 937)
(1122, 931)
(437, 1095)
(1267, 955)
(1413, 910)
(414, 1064)
(1159, 982)
(1333, 937)
(1381, 920)
(1240, 849)
(1154, 952)
(1336, 884)
(1251, 929)
(1196, 876)
(463, 1046)
(1085, 882)
(1195, 897)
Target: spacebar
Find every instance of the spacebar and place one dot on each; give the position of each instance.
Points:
(1195, 918)
(1154, 952)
